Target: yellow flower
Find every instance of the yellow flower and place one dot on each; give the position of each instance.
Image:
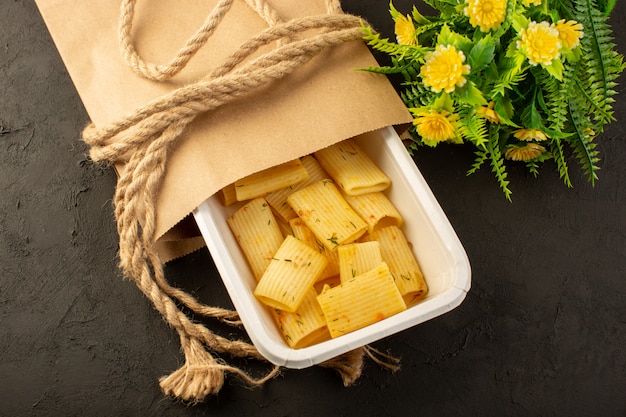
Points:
(489, 113)
(540, 43)
(524, 153)
(486, 14)
(530, 134)
(570, 33)
(436, 126)
(405, 30)
(444, 69)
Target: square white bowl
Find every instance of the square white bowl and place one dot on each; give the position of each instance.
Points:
(436, 246)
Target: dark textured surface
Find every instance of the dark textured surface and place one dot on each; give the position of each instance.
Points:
(541, 333)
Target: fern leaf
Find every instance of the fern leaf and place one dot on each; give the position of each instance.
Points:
(556, 148)
(498, 168)
(384, 45)
(512, 73)
(582, 142)
(473, 128)
(481, 157)
(533, 167)
(416, 95)
(555, 96)
(601, 65)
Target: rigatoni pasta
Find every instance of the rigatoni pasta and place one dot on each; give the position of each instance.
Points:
(376, 209)
(271, 179)
(278, 199)
(358, 258)
(257, 233)
(363, 300)
(302, 232)
(290, 275)
(338, 259)
(326, 213)
(352, 169)
(305, 326)
(396, 251)
(228, 195)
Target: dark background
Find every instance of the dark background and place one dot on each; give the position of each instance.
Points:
(541, 333)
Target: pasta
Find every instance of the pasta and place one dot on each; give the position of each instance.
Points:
(305, 326)
(329, 255)
(376, 209)
(396, 251)
(284, 226)
(302, 232)
(278, 199)
(358, 258)
(361, 301)
(271, 179)
(290, 275)
(257, 233)
(228, 195)
(326, 213)
(352, 169)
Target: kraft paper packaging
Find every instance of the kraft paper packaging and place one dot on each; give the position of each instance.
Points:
(323, 102)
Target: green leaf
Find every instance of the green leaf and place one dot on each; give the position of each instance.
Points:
(519, 21)
(474, 128)
(470, 94)
(448, 37)
(393, 12)
(482, 53)
(504, 107)
(531, 118)
(498, 168)
(481, 157)
(555, 69)
(444, 102)
(418, 17)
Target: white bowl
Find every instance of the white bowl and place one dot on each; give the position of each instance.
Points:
(439, 252)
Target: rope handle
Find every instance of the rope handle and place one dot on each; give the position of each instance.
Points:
(143, 140)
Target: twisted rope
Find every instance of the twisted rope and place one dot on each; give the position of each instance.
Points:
(142, 140)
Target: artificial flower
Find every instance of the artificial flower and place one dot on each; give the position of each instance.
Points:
(405, 30)
(486, 14)
(530, 134)
(570, 33)
(489, 113)
(540, 43)
(524, 153)
(526, 59)
(436, 126)
(444, 69)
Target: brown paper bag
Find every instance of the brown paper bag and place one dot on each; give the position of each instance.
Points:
(322, 103)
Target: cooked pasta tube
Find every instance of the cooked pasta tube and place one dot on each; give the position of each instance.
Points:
(376, 209)
(361, 301)
(330, 282)
(397, 253)
(271, 179)
(324, 210)
(290, 275)
(358, 258)
(257, 233)
(302, 232)
(278, 199)
(284, 226)
(304, 327)
(227, 195)
(352, 169)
